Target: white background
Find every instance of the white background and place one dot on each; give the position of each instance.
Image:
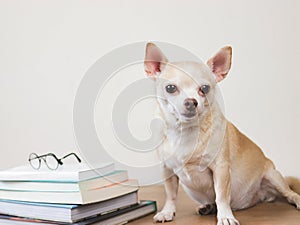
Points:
(47, 46)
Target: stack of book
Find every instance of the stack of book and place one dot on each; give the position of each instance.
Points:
(73, 194)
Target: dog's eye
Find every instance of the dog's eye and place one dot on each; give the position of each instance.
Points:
(171, 88)
(204, 89)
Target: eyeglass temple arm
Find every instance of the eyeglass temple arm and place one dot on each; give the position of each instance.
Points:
(79, 160)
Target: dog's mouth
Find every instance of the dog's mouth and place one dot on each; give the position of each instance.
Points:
(189, 115)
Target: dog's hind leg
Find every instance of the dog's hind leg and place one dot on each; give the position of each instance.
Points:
(207, 209)
(277, 181)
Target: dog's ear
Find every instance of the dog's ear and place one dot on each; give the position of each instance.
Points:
(220, 63)
(154, 61)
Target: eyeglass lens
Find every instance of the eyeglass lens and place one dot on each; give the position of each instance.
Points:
(51, 162)
(35, 161)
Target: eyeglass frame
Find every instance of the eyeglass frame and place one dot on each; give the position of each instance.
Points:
(59, 161)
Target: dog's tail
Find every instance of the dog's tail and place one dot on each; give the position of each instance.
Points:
(294, 184)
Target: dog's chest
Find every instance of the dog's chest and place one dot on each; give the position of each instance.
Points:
(192, 175)
(182, 152)
(179, 146)
(197, 183)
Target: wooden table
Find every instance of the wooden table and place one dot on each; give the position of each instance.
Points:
(276, 213)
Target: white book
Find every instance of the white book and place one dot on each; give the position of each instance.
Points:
(67, 172)
(76, 197)
(67, 186)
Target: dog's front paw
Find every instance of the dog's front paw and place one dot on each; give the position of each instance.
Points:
(164, 216)
(227, 221)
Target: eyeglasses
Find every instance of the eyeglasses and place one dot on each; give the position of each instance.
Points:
(50, 160)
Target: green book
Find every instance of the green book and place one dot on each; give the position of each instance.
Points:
(73, 197)
(119, 216)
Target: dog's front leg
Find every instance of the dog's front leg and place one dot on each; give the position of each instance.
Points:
(221, 175)
(171, 187)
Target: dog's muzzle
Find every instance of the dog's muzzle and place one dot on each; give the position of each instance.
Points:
(190, 107)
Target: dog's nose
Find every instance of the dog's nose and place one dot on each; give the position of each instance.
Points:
(190, 104)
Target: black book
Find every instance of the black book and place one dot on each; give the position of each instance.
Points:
(68, 213)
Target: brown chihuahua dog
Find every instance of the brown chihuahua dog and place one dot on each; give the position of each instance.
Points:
(217, 165)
